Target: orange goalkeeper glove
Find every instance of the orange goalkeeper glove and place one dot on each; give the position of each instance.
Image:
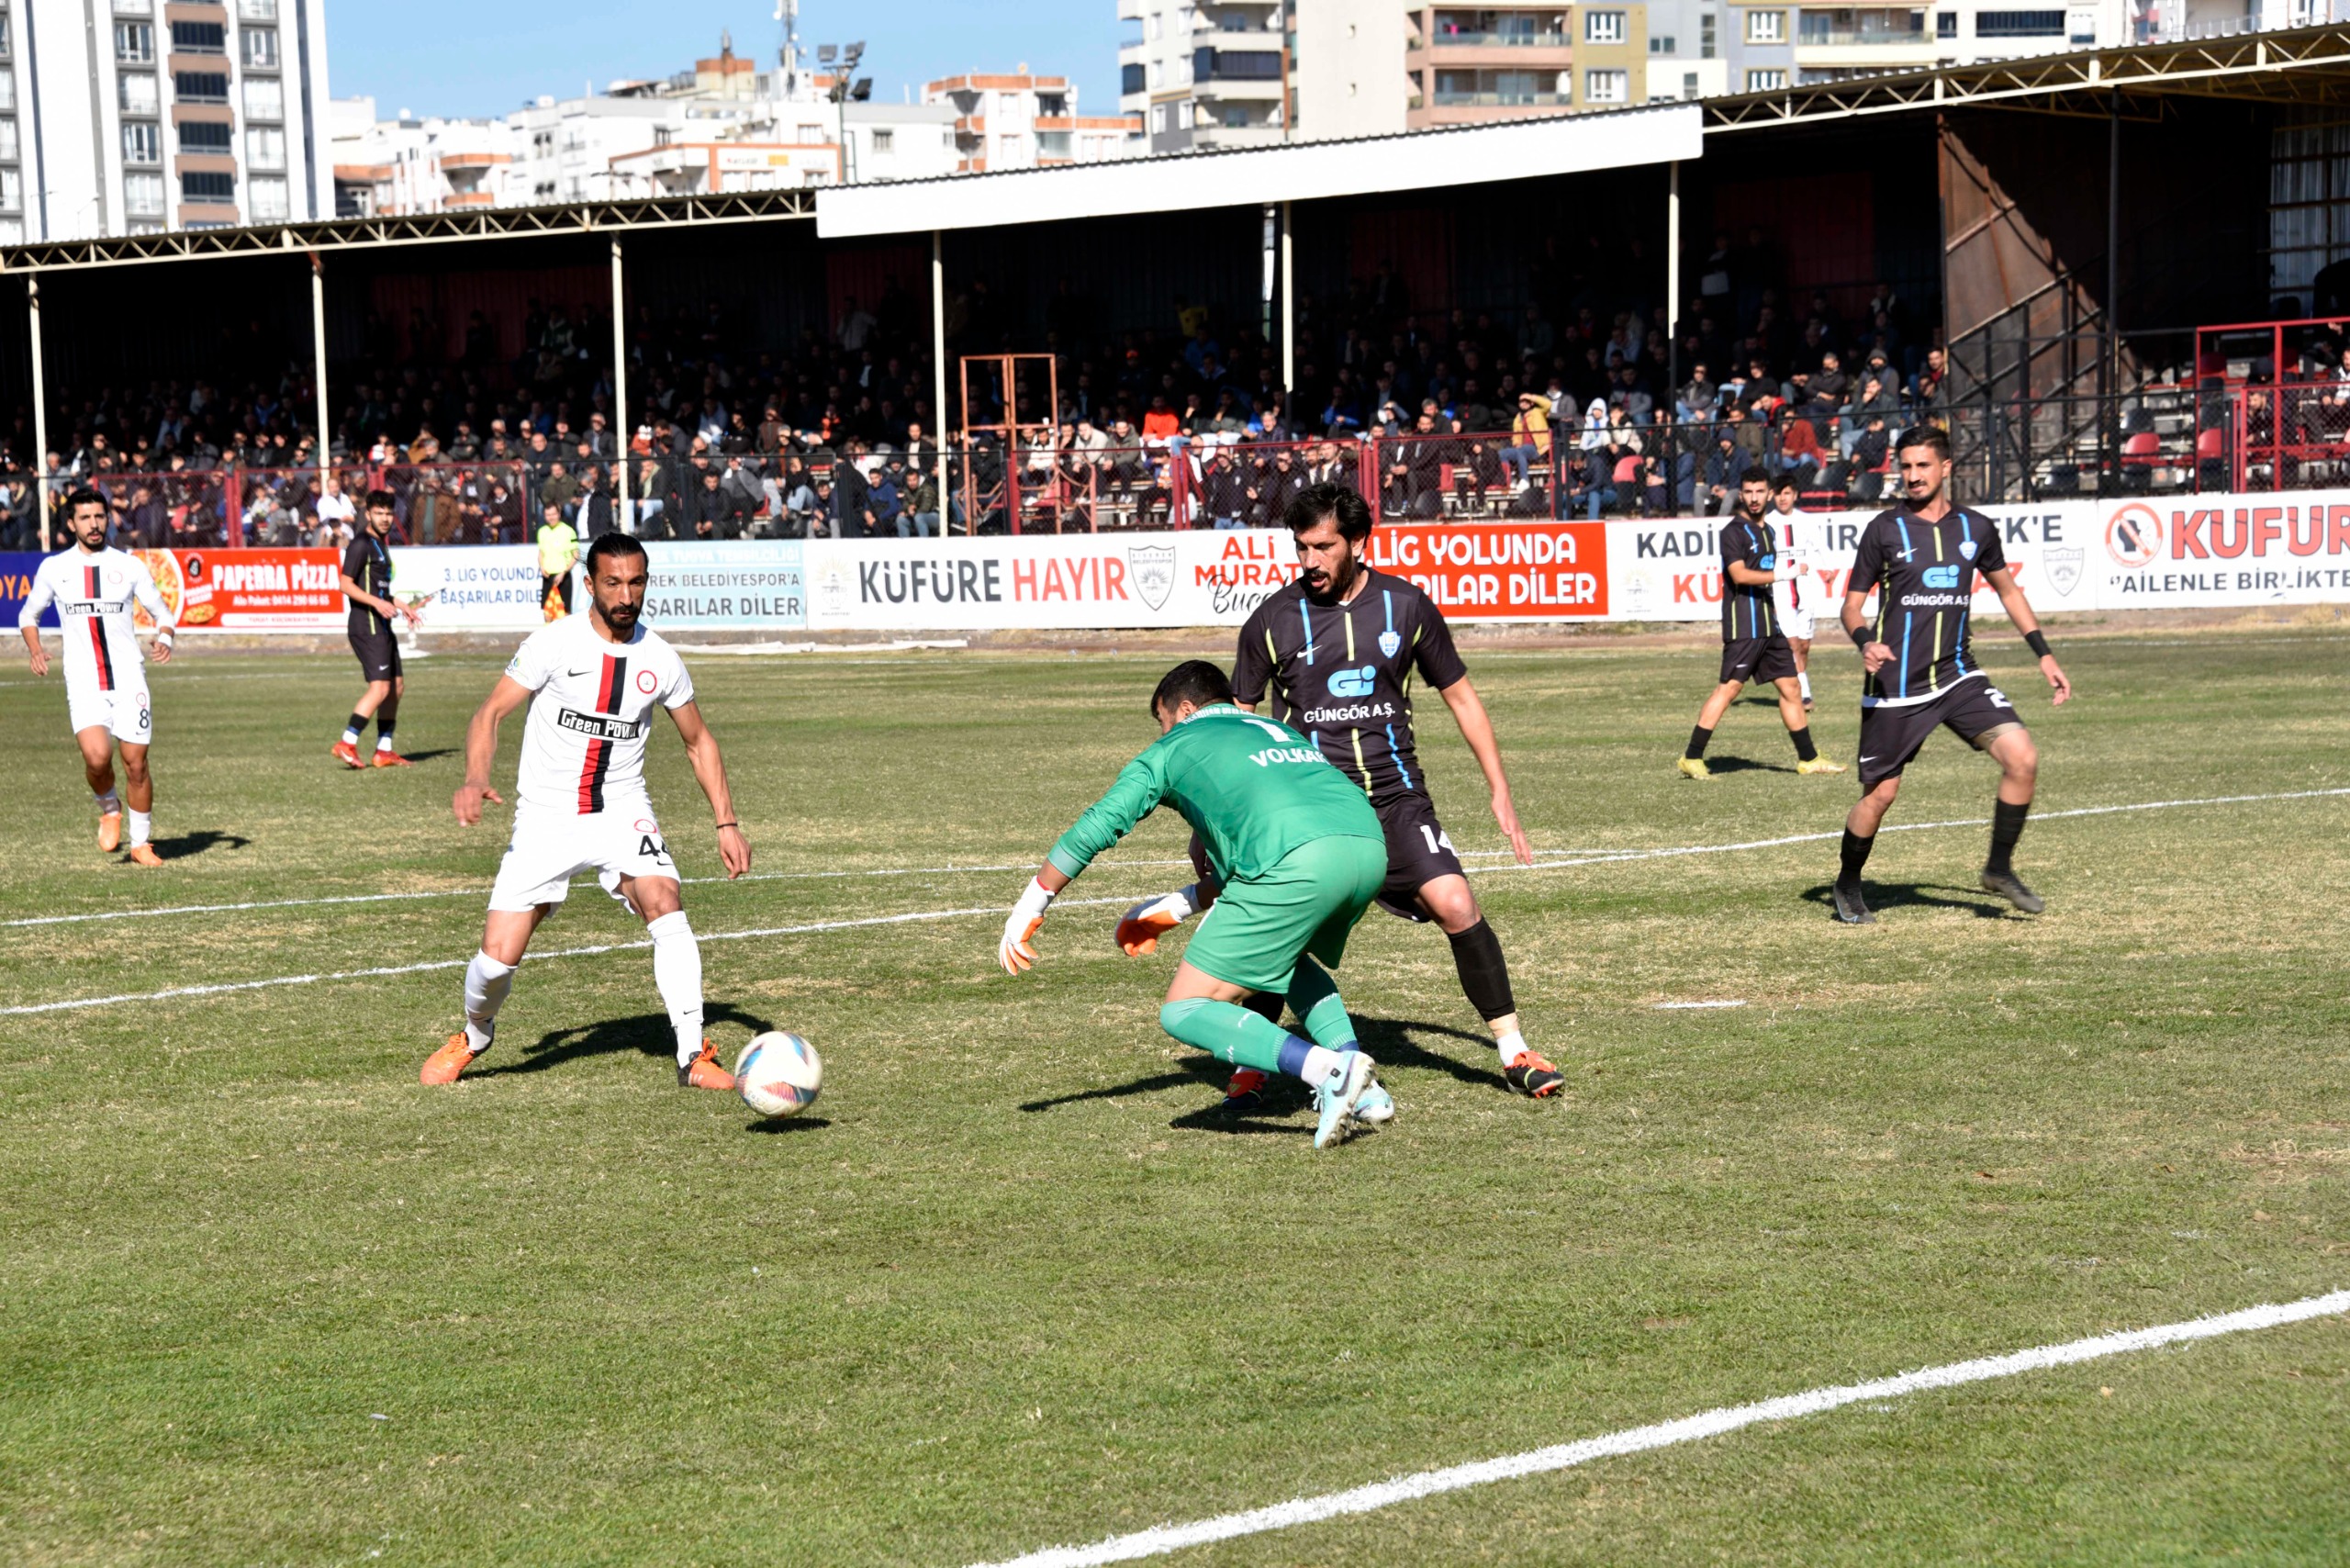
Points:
(1017, 952)
(1140, 927)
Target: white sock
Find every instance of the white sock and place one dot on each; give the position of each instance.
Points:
(109, 803)
(350, 735)
(142, 827)
(1512, 1045)
(676, 970)
(1803, 678)
(1322, 1065)
(486, 983)
(383, 740)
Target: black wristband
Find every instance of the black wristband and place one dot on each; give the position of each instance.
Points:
(723, 825)
(1861, 637)
(2039, 643)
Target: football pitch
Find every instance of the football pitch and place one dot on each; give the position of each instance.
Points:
(1015, 1282)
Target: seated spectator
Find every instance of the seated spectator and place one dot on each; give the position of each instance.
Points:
(1800, 454)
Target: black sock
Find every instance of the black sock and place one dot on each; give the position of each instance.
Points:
(1697, 739)
(1856, 855)
(358, 725)
(2007, 826)
(1485, 973)
(1804, 750)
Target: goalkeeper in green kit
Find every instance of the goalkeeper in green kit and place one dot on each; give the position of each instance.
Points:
(1300, 856)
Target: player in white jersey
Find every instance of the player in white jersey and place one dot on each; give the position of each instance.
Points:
(95, 588)
(1791, 594)
(592, 681)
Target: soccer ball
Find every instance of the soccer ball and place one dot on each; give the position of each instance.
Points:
(779, 1074)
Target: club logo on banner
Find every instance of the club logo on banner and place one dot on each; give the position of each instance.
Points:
(1153, 570)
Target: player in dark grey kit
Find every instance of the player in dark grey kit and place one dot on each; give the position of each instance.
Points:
(367, 584)
(1919, 663)
(1754, 646)
(1335, 652)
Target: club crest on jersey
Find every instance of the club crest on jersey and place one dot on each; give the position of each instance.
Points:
(1389, 642)
(1353, 682)
(647, 681)
(1966, 548)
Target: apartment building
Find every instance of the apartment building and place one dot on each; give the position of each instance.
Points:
(1021, 120)
(1466, 66)
(1210, 73)
(129, 116)
(1774, 45)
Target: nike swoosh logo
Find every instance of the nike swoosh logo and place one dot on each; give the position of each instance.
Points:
(575, 672)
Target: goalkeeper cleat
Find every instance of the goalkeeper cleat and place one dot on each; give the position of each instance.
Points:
(1818, 765)
(1533, 1074)
(1140, 927)
(347, 755)
(110, 833)
(1695, 767)
(391, 759)
(2009, 886)
(703, 1071)
(1244, 1095)
(1339, 1097)
(144, 855)
(443, 1065)
(1377, 1107)
(1851, 908)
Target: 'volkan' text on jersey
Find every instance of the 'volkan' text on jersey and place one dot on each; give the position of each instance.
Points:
(583, 747)
(1342, 673)
(1924, 576)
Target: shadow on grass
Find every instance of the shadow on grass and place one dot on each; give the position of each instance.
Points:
(1720, 765)
(181, 845)
(430, 756)
(768, 1127)
(647, 1034)
(1882, 896)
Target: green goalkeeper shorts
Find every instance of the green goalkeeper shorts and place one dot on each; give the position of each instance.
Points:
(1258, 929)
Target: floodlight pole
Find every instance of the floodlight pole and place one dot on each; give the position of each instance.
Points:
(40, 409)
(319, 359)
(620, 428)
(1672, 280)
(2109, 360)
(938, 369)
(1288, 317)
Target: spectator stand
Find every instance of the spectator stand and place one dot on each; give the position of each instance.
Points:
(2273, 403)
(999, 452)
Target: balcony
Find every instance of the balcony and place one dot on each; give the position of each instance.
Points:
(1456, 99)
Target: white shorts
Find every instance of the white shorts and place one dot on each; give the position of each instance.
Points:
(126, 712)
(550, 848)
(1794, 621)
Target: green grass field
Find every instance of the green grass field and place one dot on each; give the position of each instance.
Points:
(1013, 1282)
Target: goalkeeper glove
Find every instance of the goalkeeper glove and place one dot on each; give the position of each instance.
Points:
(1020, 927)
(1140, 927)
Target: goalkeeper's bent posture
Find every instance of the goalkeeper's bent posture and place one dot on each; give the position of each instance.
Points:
(1301, 855)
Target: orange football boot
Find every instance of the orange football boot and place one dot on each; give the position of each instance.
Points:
(347, 755)
(443, 1065)
(144, 855)
(391, 759)
(110, 833)
(703, 1071)
(1534, 1074)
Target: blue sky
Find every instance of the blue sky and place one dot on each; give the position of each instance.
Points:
(460, 57)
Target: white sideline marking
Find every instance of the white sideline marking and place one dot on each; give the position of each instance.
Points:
(1676, 1006)
(1544, 860)
(1386, 1493)
(1600, 859)
(172, 992)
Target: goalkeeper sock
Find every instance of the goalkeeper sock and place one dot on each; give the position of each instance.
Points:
(676, 970)
(1697, 739)
(2007, 826)
(1804, 750)
(486, 983)
(358, 722)
(1314, 997)
(1856, 855)
(1231, 1033)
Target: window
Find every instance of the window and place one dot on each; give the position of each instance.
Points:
(12, 231)
(142, 196)
(1705, 37)
(207, 186)
(142, 141)
(2083, 28)
(7, 91)
(199, 87)
(265, 99)
(269, 201)
(885, 142)
(1765, 81)
(1130, 78)
(8, 140)
(1052, 144)
(210, 137)
(1235, 115)
(813, 134)
(1606, 86)
(264, 148)
(1766, 27)
(1689, 85)
(257, 10)
(134, 7)
(12, 191)
(4, 34)
(1236, 65)
(199, 37)
(1602, 27)
(134, 42)
(2019, 24)
(1945, 24)
(135, 91)
(261, 48)
(1662, 46)
(1183, 114)
(1151, 24)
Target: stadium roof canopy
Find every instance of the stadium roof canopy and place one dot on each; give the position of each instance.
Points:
(2306, 65)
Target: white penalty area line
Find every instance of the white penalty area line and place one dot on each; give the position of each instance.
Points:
(225, 988)
(1167, 1539)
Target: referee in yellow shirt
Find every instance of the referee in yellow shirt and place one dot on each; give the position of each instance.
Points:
(558, 551)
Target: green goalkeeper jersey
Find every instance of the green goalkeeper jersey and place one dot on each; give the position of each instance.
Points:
(1252, 789)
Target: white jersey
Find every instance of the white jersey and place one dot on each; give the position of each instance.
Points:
(583, 747)
(94, 595)
(1793, 598)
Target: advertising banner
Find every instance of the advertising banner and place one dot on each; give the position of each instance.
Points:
(1043, 581)
(250, 591)
(1515, 571)
(743, 585)
(2186, 550)
(470, 587)
(17, 569)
